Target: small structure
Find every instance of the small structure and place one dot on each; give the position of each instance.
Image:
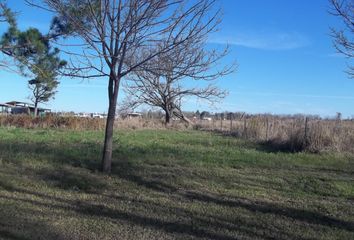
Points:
(133, 115)
(15, 107)
(97, 115)
(5, 109)
(82, 115)
(207, 119)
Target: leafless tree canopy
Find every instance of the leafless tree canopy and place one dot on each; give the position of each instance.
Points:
(119, 36)
(343, 38)
(161, 82)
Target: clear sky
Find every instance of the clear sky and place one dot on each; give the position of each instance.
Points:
(287, 63)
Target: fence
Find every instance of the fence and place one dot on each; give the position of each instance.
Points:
(293, 134)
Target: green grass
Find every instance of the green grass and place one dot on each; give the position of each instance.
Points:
(169, 185)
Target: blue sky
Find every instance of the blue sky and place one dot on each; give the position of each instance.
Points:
(287, 63)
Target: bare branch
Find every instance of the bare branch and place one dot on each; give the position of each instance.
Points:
(343, 38)
(159, 83)
(125, 37)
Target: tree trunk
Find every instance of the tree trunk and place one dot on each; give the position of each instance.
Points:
(113, 89)
(185, 119)
(167, 117)
(35, 109)
(178, 113)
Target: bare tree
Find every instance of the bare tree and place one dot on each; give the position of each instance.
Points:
(119, 36)
(160, 83)
(343, 38)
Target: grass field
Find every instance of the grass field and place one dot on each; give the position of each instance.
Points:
(169, 184)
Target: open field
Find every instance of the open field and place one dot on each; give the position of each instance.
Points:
(169, 184)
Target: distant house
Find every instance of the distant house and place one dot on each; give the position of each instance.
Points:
(5, 109)
(207, 118)
(82, 115)
(97, 115)
(15, 107)
(133, 115)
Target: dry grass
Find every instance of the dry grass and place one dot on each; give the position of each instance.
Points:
(55, 122)
(79, 123)
(291, 134)
(277, 133)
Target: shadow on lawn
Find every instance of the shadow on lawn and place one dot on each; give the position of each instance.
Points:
(157, 216)
(22, 227)
(82, 155)
(269, 208)
(183, 223)
(270, 146)
(228, 201)
(189, 223)
(73, 179)
(5, 234)
(154, 219)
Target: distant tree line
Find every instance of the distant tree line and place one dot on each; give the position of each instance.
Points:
(228, 115)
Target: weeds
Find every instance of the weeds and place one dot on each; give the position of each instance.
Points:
(284, 134)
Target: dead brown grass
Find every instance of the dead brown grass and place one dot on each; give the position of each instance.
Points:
(80, 123)
(290, 134)
(276, 133)
(56, 122)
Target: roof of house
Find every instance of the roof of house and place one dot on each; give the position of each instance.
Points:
(13, 104)
(134, 114)
(20, 104)
(5, 105)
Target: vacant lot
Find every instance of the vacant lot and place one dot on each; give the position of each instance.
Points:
(169, 185)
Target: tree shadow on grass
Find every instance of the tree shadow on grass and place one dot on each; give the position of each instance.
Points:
(269, 208)
(6, 234)
(82, 155)
(142, 176)
(176, 221)
(156, 221)
(270, 146)
(73, 179)
(152, 179)
(23, 227)
(302, 215)
(276, 146)
(181, 222)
